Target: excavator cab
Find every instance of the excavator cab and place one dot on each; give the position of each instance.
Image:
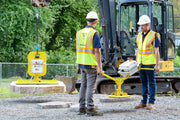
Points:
(120, 29)
(118, 19)
(162, 21)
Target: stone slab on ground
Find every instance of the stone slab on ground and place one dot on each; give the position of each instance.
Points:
(109, 99)
(38, 89)
(55, 104)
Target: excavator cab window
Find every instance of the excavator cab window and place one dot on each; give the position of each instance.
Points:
(157, 17)
(169, 19)
(160, 14)
(170, 30)
(129, 16)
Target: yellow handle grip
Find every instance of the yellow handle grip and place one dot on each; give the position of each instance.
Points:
(146, 68)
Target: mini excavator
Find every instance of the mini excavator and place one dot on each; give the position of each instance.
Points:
(118, 19)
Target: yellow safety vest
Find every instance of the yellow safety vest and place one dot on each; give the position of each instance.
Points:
(146, 50)
(84, 47)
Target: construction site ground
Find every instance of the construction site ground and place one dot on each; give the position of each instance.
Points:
(31, 108)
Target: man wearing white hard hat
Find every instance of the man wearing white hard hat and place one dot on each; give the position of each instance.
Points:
(89, 62)
(148, 57)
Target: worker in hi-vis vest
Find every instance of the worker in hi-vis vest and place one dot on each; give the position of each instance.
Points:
(147, 56)
(89, 63)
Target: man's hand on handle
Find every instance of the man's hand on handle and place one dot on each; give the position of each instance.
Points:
(98, 59)
(156, 68)
(78, 71)
(100, 72)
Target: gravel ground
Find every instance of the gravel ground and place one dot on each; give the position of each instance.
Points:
(167, 108)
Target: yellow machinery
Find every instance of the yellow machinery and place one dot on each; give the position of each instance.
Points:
(119, 93)
(126, 70)
(36, 68)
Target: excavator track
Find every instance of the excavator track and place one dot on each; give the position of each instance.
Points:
(133, 85)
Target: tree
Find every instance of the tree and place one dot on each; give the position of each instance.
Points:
(58, 26)
(70, 17)
(18, 31)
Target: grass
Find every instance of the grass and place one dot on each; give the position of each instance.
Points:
(5, 92)
(9, 80)
(176, 61)
(5, 89)
(168, 94)
(178, 95)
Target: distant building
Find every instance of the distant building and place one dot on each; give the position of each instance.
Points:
(177, 41)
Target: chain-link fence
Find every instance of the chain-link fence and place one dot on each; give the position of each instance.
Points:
(12, 71)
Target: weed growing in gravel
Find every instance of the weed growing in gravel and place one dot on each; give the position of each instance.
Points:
(75, 92)
(169, 94)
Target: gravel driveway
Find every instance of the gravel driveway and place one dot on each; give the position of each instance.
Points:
(167, 108)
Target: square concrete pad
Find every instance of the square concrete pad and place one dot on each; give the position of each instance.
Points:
(55, 104)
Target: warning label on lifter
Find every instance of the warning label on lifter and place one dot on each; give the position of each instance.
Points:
(37, 66)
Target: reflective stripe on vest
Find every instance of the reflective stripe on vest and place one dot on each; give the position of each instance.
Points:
(137, 40)
(85, 50)
(146, 51)
(78, 38)
(84, 47)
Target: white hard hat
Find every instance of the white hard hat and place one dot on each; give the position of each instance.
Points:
(92, 15)
(144, 19)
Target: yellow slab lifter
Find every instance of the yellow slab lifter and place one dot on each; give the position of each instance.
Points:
(37, 67)
(125, 70)
(36, 61)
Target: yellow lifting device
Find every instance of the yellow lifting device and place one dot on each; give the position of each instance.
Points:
(37, 62)
(37, 67)
(119, 81)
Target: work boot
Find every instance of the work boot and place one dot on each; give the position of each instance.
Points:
(141, 105)
(82, 111)
(150, 106)
(93, 112)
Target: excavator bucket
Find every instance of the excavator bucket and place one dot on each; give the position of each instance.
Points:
(68, 81)
(40, 3)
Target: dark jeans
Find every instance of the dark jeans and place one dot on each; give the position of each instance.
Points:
(148, 81)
